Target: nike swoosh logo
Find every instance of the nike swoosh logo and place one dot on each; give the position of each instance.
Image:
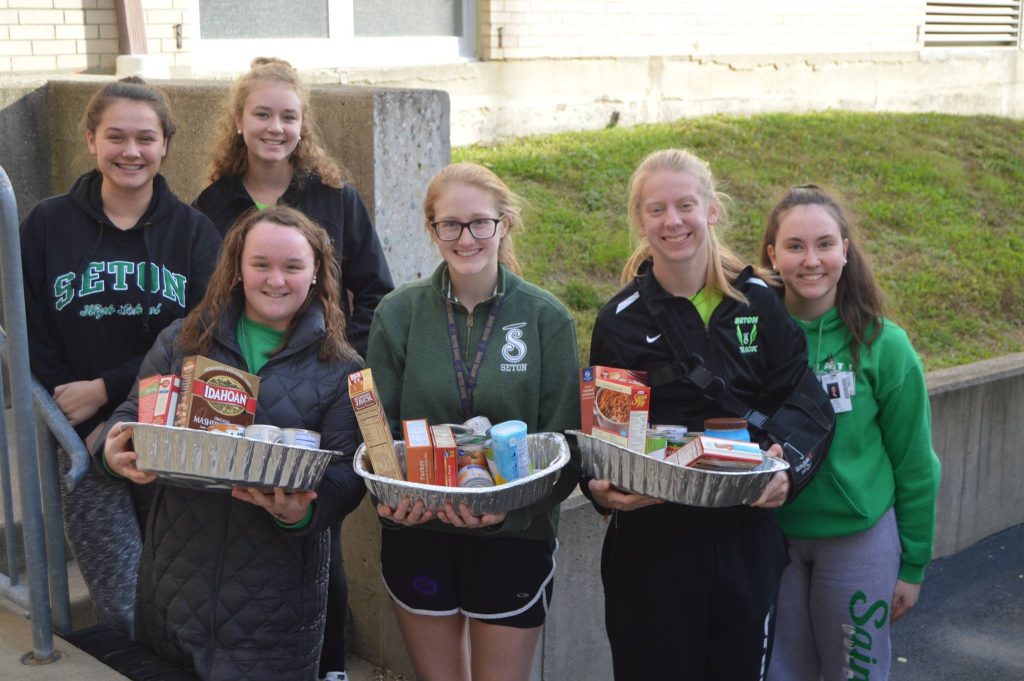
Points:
(651, 340)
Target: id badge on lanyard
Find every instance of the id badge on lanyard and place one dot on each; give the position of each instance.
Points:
(839, 385)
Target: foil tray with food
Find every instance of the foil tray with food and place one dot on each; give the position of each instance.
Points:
(549, 453)
(652, 477)
(210, 460)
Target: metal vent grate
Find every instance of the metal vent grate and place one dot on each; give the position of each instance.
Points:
(972, 23)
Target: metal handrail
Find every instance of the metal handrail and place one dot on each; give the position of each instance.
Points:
(37, 476)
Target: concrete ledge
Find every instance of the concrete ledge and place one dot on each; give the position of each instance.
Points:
(391, 141)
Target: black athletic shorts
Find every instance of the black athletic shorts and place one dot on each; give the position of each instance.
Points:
(498, 580)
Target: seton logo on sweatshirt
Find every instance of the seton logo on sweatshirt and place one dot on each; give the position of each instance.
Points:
(119, 275)
(514, 349)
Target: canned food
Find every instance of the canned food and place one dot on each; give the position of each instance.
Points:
(473, 475)
(263, 433)
(299, 437)
(479, 424)
(232, 429)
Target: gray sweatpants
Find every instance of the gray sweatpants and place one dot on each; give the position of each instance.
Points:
(101, 523)
(833, 618)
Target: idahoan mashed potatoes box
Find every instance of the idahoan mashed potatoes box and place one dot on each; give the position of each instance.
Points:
(212, 393)
(614, 406)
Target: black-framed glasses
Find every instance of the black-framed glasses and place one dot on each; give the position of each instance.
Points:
(481, 228)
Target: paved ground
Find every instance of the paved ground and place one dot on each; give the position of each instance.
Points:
(969, 623)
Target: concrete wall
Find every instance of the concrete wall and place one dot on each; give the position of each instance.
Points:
(978, 433)
(391, 141)
(502, 99)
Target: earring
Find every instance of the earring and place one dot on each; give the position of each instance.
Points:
(239, 131)
(844, 261)
(314, 281)
(298, 138)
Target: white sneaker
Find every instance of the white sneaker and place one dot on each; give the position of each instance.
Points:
(336, 676)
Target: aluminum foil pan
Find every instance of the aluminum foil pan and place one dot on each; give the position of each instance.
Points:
(549, 451)
(196, 458)
(691, 486)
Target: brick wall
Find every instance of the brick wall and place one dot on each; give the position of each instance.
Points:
(82, 35)
(531, 29)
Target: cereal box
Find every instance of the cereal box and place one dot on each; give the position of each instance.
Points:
(419, 451)
(614, 405)
(373, 424)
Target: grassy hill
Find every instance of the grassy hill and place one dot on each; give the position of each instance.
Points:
(938, 201)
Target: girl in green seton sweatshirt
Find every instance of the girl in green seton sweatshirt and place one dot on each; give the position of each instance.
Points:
(473, 339)
(861, 533)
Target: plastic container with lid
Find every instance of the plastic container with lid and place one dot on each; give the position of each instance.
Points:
(727, 429)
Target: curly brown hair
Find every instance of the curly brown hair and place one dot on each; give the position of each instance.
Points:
(225, 287)
(230, 157)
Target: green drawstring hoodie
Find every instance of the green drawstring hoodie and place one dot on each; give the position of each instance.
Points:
(882, 453)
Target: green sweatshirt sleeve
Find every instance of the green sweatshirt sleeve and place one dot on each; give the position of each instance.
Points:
(905, 420)
(559, 411)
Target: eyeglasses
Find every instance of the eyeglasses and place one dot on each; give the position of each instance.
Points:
(481, 228)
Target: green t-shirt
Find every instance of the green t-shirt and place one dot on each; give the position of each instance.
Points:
(706, 301)
(257, 342)
(261, 206)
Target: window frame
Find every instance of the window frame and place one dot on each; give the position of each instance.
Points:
(341, 49)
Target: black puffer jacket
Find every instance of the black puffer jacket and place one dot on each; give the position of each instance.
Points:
(222, 588)
(365, 277)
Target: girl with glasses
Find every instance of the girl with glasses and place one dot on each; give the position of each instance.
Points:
(515, 346)
(860, 535)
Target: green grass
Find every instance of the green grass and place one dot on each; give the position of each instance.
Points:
(938, 201)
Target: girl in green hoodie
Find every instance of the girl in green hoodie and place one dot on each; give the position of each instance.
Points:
(861, 532)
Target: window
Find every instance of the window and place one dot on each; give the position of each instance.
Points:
(333, 33)
(972, 23)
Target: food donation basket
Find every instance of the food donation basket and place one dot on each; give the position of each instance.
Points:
(210, 460)
(652, 477)
(548, 451)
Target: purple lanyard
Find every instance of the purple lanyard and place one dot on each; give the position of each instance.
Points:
(468, 383)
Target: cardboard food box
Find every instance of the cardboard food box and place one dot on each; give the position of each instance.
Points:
(713, 453)
(446, 457)
(614, 406)
(166, 403)
(148, 389)
(373, 424)
(419, 451)
(213, 392)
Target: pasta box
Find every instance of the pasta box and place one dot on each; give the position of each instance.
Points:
(614, 406)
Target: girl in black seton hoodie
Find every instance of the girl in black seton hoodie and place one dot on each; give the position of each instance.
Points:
(268, 152)
(107, 266)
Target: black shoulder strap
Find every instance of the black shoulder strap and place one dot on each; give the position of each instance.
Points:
(690, 365)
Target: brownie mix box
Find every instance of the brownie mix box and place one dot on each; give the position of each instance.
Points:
(213, 392)
(614, 406)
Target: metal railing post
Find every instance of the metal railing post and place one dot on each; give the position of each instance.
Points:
(56, 560)
(28, 470)
(10, 533)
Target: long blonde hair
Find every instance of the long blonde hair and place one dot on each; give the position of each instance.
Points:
(230, 157)
(723, 265)
(508, 204)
